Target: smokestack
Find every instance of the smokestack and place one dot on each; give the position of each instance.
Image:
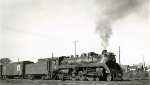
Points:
(104, 51)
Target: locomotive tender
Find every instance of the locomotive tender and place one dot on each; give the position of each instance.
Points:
(89, 66)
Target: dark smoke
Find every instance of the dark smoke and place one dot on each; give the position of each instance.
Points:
(111, 11)
(104, 28)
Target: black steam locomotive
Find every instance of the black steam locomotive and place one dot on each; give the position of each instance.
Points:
(89, 67)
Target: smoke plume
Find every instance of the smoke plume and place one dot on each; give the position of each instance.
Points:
(111, 11)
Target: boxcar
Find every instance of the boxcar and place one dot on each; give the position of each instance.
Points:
(15, 69)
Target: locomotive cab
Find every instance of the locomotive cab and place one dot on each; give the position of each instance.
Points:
(54, 63)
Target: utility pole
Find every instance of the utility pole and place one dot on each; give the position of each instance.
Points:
(143, 63)
(75, 47)
(119, 56)
(18, 68)
(18, 59)
(52, 55)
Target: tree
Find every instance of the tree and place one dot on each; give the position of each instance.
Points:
(5, 60)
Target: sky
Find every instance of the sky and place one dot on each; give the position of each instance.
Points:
(33, 29)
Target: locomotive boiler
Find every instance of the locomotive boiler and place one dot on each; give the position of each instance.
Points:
(91, 57)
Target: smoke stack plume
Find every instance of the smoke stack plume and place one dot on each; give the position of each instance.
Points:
(111, 11)
(104, 28)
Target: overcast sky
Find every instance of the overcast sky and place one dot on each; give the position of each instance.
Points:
(33, 29)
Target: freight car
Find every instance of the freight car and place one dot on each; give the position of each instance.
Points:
(14, 70)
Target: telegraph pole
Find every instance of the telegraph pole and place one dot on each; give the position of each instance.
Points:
(143, 63)
(18, 60)
(52, 55)
(75, 47)
(119, 55)
(18, 68)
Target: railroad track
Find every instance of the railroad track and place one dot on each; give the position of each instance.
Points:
(67, 82)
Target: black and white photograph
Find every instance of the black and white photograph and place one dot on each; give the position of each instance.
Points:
(74, 42)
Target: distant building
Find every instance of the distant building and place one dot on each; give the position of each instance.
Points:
(133, 68)
(125, 68)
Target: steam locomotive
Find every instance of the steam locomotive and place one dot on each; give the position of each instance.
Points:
(89, 67)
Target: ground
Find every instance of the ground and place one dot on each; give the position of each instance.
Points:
(67, 82)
